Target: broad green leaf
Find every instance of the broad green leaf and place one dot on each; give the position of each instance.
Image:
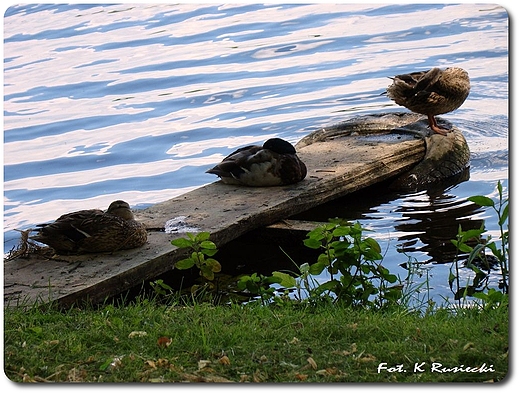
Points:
(327, 286)
(483, 201)
(269, 280)
(286, 280)
(496, 296)
(492, 246)
(209, 252)
(391, 278)
(341, 247)
(373, 244)
(316, 269)
(372, 255)
(474, 233)
(182, 243)
(312, 243)
(242, 282)
(317, 233)
(202, 236)
(213, 265)
(382, 270)
(463, 247)
(208, 245)
(341, 231)
(253, 287)
(504, 216)
(475, 252)
(329, 226)
(207, 272)
(184, 264)
(496, 252)
(323, 259)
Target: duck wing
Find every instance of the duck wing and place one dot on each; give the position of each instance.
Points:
(427, 80)
(67, 232)
(111, 233)
(420, 83)
(70, 226)
(236, 163)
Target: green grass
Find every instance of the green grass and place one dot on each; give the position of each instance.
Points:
(250, 343)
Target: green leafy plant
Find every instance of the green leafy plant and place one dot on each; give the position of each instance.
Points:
(201, 251)
(260, 285)
(493, 299)
(462, 243)
(416, 292)
(475, 243)
(160, 288)
(353, 263)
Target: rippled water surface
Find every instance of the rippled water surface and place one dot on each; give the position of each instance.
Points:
(137, 101)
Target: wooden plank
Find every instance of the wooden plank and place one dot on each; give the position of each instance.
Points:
(336, 167)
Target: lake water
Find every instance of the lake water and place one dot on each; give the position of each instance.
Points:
(137, 101)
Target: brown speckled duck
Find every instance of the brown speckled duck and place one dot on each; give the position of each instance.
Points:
(431, 92)
(274, 163)
(93, 231)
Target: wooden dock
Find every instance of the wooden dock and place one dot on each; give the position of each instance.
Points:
(339, 162)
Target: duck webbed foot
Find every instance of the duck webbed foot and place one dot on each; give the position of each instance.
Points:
(435, 127)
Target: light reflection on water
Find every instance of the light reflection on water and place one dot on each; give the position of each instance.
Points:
(137, 101)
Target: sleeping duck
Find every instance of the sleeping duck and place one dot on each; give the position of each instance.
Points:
(93, 231)
(431, 92)
(273, 164)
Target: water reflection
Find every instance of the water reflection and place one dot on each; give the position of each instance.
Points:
(431, 219)
(425, 221)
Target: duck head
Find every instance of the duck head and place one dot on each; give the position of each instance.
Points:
(279, 146)
(120, 208)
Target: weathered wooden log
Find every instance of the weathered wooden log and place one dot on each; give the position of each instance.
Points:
(446, 158)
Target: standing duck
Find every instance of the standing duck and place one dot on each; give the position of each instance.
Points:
(431, 92)
(274, 163)
(94, 231)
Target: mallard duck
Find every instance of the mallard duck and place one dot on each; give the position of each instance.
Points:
(93, 231)
(272, 164)
(431, 92)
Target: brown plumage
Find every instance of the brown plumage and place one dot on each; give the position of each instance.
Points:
(274, 163)
(94, 231)
(431, 92)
